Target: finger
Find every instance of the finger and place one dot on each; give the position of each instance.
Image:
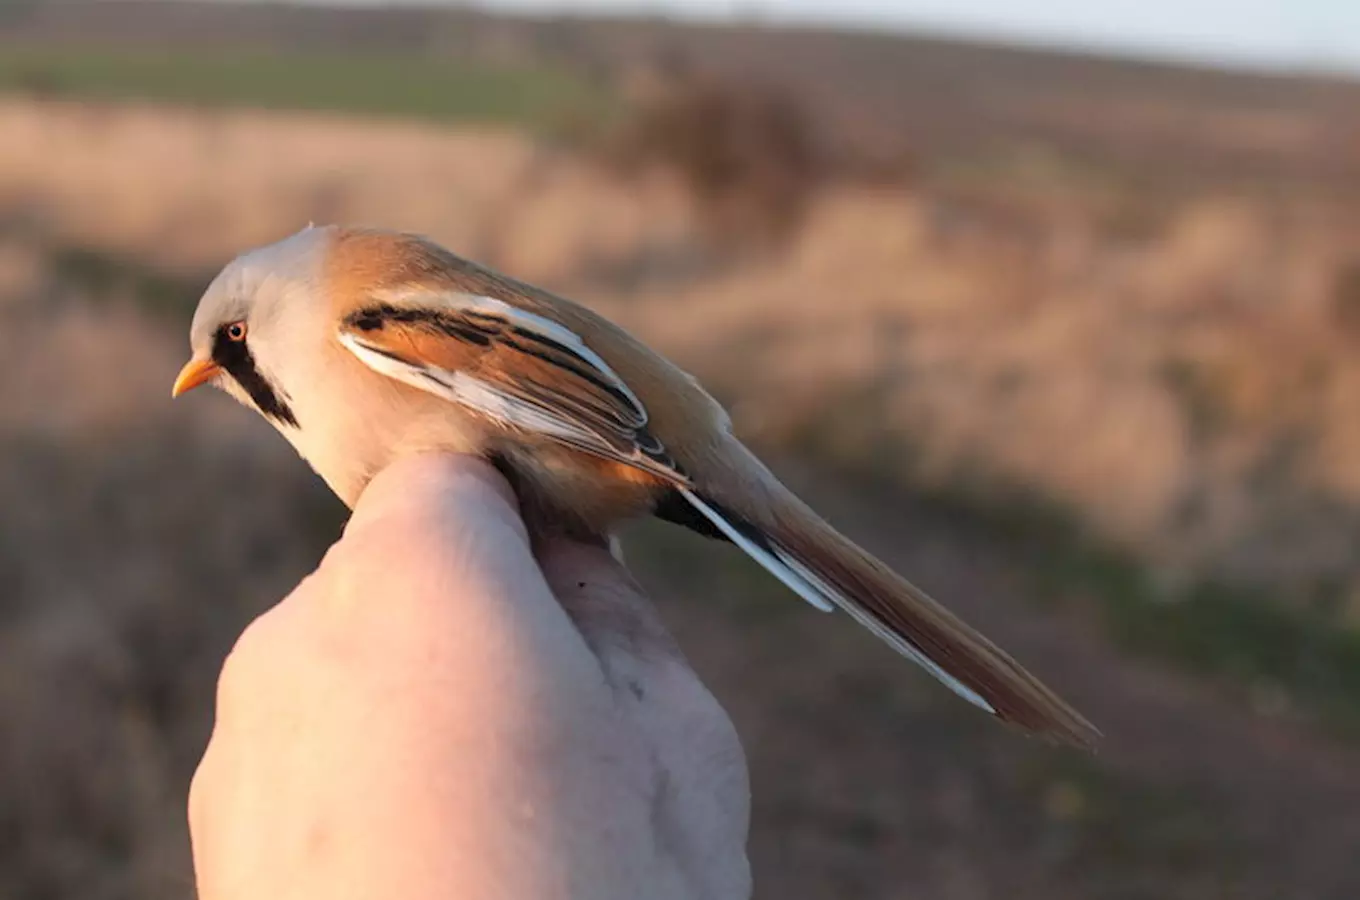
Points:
(704, 780)
(436, 564)
(605, 601)
(427, 482)
(439, 530)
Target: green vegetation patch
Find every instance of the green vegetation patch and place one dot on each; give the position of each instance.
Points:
(1286, 654)
(167, 296)
(415, 86)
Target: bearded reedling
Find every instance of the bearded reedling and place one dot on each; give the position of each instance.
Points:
(362, 345)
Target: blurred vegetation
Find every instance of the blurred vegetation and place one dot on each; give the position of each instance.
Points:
(747, 153)
(390, 85)
(1079, 283)
(1082, 815)
(1284, 656)
(167, 297)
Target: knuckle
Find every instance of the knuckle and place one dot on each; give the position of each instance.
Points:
(249, 662)
(200, 790)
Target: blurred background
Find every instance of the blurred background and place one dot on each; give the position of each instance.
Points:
(1055, 308)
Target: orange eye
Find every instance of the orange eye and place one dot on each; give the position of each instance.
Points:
(236, 331)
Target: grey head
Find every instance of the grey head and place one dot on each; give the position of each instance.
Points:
(257, 306)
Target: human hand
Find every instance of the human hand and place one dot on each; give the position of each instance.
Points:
(433, 714)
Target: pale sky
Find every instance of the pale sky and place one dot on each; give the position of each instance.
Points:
(1311, 34)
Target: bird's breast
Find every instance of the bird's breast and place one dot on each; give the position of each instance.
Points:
(353, 423)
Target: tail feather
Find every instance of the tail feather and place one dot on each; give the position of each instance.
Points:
(884, 633)
(759, 549)
(808, 555)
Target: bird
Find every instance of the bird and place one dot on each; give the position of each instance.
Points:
(362, 345)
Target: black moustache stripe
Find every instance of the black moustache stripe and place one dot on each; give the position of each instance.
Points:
(235, 359)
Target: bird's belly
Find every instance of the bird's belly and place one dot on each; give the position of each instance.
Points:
(565, 491)
(348, 449)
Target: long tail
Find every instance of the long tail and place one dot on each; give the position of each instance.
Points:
(827, 569)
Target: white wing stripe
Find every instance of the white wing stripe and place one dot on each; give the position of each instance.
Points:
(466, 390)
(790, 579)
(381, 362)
(887, 636)
(541, 325)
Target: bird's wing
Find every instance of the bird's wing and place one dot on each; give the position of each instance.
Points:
(522, 370)
(535, 376)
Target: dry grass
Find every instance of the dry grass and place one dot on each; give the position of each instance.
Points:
(746, 153)
(1187, 389)
(186, 189)
(1181, 382)
(126, 577)
(138, 539)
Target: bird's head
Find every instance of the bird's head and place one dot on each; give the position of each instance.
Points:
(253, 317)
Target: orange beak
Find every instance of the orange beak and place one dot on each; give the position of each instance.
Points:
(194, 373)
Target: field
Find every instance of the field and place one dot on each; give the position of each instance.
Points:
(1085, 373)
(374, 84)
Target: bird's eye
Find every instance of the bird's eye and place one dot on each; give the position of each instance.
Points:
(236, 331)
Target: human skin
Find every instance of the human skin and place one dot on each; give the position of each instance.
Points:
(434, 713)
